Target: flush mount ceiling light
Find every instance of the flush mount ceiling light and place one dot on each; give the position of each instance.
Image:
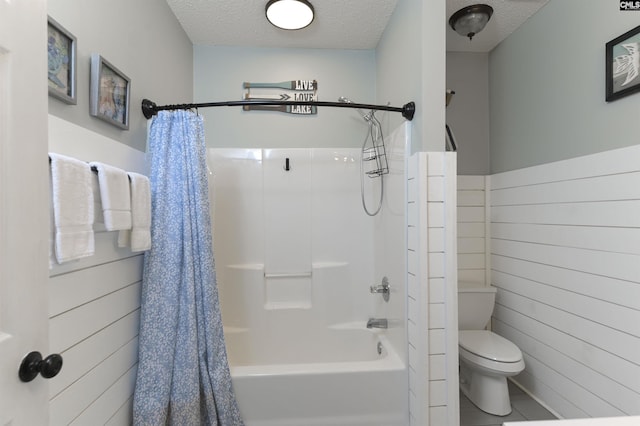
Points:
(289, 14)
(470, 20)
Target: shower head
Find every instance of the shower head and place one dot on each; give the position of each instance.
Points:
(366, 115)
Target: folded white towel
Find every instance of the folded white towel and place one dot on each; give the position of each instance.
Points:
(140, 235)
(72, 208)
(115, 196)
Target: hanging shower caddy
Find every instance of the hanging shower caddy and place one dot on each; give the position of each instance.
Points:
(376, 155)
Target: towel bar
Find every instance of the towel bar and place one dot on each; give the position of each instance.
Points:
(288, 275)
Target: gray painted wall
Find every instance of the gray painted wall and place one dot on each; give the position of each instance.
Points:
(468, 111)
(219, 73)
(144, 40)
(411, 67)
(547, 87)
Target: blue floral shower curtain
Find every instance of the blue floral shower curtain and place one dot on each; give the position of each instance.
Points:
(183, 374)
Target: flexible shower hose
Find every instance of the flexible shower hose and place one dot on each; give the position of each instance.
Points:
(370, 133)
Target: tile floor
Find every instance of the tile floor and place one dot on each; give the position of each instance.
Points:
(524, 408)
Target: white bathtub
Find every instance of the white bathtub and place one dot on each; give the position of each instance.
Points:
(336, 378)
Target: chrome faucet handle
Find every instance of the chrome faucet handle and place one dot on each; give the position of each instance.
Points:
(383, 288)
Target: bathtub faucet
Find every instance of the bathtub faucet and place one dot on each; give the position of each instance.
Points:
(382, 288)
(377, 323)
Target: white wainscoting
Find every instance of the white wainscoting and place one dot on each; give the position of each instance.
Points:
(473, 229)
(432, 290)
(565, 256)
(94, 305)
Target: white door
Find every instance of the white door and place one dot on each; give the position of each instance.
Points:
(24, 208)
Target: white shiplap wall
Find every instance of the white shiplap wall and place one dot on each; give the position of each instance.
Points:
(94, 305)
(565, 245)
(472, 229)
(432, 294)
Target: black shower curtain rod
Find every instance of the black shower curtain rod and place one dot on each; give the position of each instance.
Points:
(149, 108)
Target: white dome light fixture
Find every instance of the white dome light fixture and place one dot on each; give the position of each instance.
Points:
(289, 14)
(470, 20)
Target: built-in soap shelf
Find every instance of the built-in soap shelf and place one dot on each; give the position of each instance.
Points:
(287, 289)
(314, 266)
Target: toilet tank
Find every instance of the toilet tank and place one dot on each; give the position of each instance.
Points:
(475, 305)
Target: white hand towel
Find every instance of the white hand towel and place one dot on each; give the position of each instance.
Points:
(72, 208)
(115, 196)
(140, 235)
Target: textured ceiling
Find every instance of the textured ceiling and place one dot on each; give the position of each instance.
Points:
(339, 24)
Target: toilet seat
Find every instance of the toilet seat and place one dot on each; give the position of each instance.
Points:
(490, 352)
(487, 344)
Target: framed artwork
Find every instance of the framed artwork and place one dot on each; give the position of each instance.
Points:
(623, 65)
(61, 62)
(109, 96)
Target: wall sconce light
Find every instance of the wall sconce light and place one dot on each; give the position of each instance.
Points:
(289, 14)
(470, 20)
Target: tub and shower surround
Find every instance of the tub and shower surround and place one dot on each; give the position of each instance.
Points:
(299, 257)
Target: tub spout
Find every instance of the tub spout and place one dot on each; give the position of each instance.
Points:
(377, 323)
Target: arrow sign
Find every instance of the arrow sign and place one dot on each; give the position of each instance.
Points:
(289, 109)
(281, 97)
(307, 97)
(303, 85)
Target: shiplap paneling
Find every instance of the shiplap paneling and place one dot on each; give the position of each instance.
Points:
(583, 382)
(450, 173)
(124, 414)
(624, 293)
(619, 343)
(610, 239)
(83, 321)
(597, 359)
(94, 325)
(417, 294)
(81, 287)
(89, 389)
(112, 401)
(600, 311)
(472, 224)
(548, 393)
(82, 358)
(433, 338)
(613, 162)
(565, 250)
(94, 304)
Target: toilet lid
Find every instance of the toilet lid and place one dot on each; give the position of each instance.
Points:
(489, 345)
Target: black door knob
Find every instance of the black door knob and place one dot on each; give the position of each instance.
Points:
(32, 364)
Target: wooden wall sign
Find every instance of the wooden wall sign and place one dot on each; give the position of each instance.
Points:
(302, 85)
(302, 90)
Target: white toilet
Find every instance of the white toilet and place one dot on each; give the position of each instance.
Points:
(486, 359)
